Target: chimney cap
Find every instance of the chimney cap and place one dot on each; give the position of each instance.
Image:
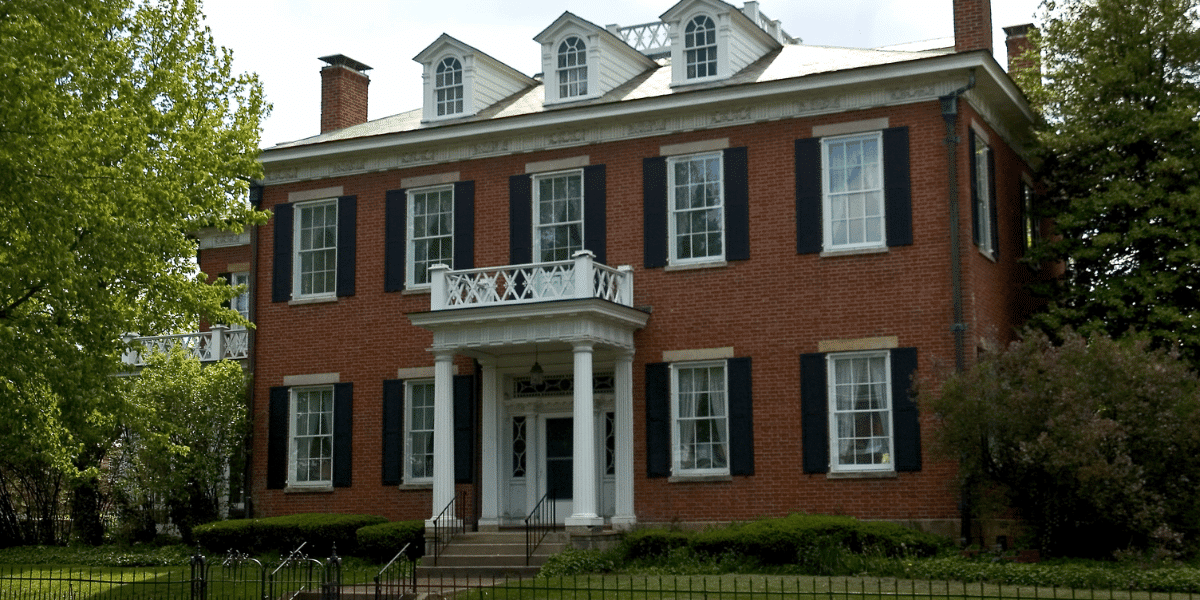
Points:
(1018, 30)
(336, 60)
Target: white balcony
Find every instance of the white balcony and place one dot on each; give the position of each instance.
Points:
(219, 343)
(579, 278)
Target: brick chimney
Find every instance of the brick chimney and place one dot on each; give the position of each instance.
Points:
(1017, 40)
(343, 92)
(972, 25)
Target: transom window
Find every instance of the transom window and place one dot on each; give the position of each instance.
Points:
(430, 232)
(572, 68)
(860, 412)
(853, 191)
(699, 412)
(316, 249)
(419, 422)
(700, 47)
(448, 87)
(312, 436)
(696, 198)
(558, 215)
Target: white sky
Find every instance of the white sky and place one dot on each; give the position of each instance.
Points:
(281, 40)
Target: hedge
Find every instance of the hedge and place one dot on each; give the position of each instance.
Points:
(382, 542)
(284, 534)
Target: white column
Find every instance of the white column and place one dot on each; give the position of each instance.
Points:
(623, 517)
(489, 518)
(583, 461)
(443, 433)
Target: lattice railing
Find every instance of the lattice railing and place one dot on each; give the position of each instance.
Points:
(219, 343)
(647, 38)
(580, 277)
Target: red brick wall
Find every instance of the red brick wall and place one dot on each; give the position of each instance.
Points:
(343, 97)
(773, 307)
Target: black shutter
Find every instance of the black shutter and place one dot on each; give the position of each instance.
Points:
(281, 276)
(658, 420)
(228, 277)
(814, 413)
(741, 417)
(464, 429)
(810, 236)
(906, 421)
(975, 191)
(992, 216)
(594, 211)
(737, 204)
(520, 219)
(343, 431)
(345, 245)
(277, 438)
(654, 211)
(897, 190)
(395, 239)
(256, 193)
(393, 431)
(464, 225)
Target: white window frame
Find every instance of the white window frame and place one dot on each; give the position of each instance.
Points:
(571, 62)
(673, 215)
(887, 453)
(241, 302)
(711, 62)
(410, 455)
(678, 467)
(295, 436)
(983, 195)
(867, 189)
(538, 225)
(445, 103)
(411, 255)
(298, 251)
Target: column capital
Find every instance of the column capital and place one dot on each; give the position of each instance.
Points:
(582, 346)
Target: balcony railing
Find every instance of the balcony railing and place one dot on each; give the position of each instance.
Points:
(219, 343)
(580, 277)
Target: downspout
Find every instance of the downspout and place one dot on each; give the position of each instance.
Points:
(958, 326)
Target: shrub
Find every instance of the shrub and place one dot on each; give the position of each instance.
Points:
(579, 562)
(284, 534)
(648, 543)
(381, 542)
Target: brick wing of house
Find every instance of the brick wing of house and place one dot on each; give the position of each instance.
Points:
(690, 272)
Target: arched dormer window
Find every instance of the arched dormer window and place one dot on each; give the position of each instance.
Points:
(572, 68)
(448, 87)
(700, 47)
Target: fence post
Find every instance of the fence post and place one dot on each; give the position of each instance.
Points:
(333, 576)
(199, 576)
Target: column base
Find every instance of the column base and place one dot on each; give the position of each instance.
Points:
(488, 525)
(447, 523)
(624, 522)
(583, 523)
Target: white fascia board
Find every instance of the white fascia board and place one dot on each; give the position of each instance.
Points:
(690, 101)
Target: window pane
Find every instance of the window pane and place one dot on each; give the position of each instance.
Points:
(700, 422)
(853, 191)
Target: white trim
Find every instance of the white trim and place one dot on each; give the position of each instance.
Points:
(409, 479)
(672, 246)
(293, 449)
(430, 180)
(535, 194)
(677, 469)
(558, 164)
(694, 147)
(981, 132)
(317, 194)
(312, 379)
(297, 273)
(410, 253)
(697, 354)
(888, 462)
(827, 212)
(850, 127)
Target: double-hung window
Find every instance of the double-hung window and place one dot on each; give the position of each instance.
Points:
(982, 186)
(557, 215)
(241, 303)
(853, 191)
(860, 412)
(315, 246)
(572, 68)
(419, 432)
(448, 87)
(430, 232)
(696, 202)
(311, 436)
(700, 47)
(699, 414)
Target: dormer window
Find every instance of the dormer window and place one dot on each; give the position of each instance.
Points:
(700, 47)
(448, 87)
(572, 68)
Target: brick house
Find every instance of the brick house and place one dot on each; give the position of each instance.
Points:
(689, 273)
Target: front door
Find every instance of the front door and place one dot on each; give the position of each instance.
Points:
(559, 445)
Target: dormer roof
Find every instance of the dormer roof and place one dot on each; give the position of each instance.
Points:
(484, 80)
(731, 41)
(581, 60)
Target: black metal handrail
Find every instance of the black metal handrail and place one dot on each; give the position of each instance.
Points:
(538, 524)
(408, 571)
(445, 525)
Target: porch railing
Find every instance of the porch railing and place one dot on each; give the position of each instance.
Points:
(539, 523)
(397, 577)
(580, 277)
(219, 343)
(445, 525)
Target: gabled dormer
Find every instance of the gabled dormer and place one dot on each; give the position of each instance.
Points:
(712, 40)
(581, 60)
(460, 81)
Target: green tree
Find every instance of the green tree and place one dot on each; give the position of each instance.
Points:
(122, 128)
(185, 430)
(1119, 89)
(1095, 443)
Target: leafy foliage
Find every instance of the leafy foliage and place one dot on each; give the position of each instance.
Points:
(1119, 90)
(382, 542)
(1095, 443)
(284, 534)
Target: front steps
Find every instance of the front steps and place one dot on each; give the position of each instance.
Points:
(490, 554)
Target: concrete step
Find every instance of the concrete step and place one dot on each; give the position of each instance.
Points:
(491, 554)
